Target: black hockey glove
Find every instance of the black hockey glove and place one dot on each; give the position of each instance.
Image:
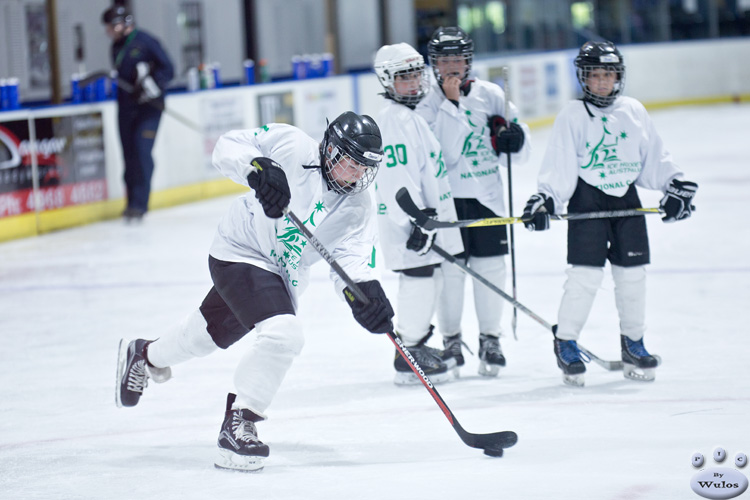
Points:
(270, 185)
(506, 137)
(677, 202)
(421, 240)
(376, 316)
(537, 211)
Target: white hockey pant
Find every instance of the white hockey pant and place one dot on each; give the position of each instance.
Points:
(630, 297)
(278, 340)
(487, 304)
(415, 306)
(188, 340)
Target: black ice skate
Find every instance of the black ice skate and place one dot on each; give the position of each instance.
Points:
(435, 363)
(638, 364)
(491, 357)
(239, 446)
(452, 347)
(570, 362)
(133, 372)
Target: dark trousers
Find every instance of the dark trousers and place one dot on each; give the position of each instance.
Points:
(137, 134)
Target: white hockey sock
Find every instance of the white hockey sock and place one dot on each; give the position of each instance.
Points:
(630, 297)
(580, 291)
(488, 304)
(451, 301)
(261, 370)
(417, 298)
(188, 340)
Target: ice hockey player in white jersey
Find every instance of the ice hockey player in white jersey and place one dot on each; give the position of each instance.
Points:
(412, 159)
(259, 263)
(468, 118)
(601, 148)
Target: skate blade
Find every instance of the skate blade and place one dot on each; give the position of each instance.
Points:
(122, 356)
(159, 375)
(410, 378)
(229, 460)
(576, 380)
(632, 372)
(487, 370)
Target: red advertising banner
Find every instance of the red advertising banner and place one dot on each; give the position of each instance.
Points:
(65, 166)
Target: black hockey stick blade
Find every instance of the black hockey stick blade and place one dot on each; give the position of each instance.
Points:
(494, 442)
(405, 201)
(94, 76)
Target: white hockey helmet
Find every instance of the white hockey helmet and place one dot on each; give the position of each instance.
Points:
(401, 60)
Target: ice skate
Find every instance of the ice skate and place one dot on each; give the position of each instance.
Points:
(435, 363)
(133, 372)
(491, 357)
(239, 446)
(452, 348)
(638, 364)
(570, 362)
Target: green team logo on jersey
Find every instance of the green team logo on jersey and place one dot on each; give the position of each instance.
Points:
(475, 147)
(604, 156)
(294, 242)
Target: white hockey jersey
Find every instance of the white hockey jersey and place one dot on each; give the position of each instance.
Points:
(345, 225)
(412, 159)
(464, 134)
(617, 147)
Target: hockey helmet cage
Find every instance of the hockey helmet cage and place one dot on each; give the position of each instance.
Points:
(593, 55)
(450, 41)
(117, 14)
(356, 137)
(401, 59)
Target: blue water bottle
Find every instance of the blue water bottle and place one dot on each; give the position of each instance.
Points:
(11, 89)
(297, 68)
(76, 95)
(216, 68)
(3, 94)
(100, 89)
(249, 66)
(327, 64)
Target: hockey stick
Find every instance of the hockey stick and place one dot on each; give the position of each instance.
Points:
(514, 322)
(493, 443)
(404, 200)
(607, 365)
(127, 87)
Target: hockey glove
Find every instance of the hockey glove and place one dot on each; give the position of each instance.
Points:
(537, 211)
(146, 88)
(677, 202)
(506, 137)
(421, 240)
(376, 316)
(270, 185)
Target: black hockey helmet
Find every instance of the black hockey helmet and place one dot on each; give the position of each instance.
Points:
(450, 41)
(358, 138)
(117, 14)
(593, 55)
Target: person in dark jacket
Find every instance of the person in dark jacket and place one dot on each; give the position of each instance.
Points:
(143, 72)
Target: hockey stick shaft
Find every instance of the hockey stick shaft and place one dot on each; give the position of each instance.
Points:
(405, 201)
(514, 322)
(504, 439)
(608, 365)
(127, 87)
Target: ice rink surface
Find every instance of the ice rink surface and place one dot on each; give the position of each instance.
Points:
(339, 428)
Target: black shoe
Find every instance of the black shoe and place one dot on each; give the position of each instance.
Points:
(133, 372)
(133, 215)
(490, 355)
(570, 362)
(239, 446)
